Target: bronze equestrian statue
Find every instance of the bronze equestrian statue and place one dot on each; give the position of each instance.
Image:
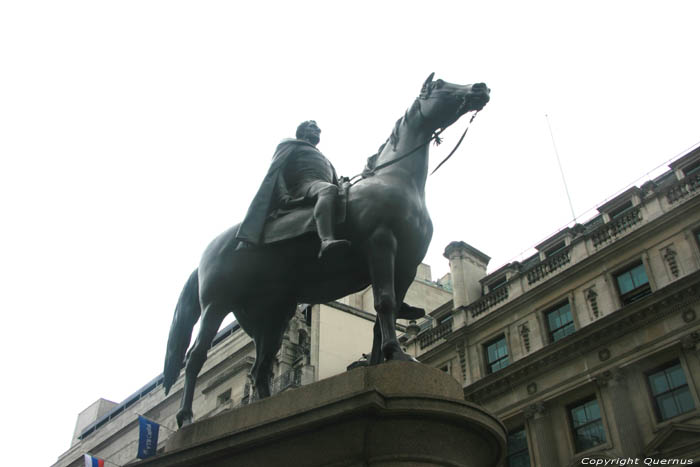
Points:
(386, 222)
(299, 173)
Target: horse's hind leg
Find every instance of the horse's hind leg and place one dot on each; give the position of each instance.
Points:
(211, 320)
(268, 341)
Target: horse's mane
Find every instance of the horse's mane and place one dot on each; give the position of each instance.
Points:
(393, 137)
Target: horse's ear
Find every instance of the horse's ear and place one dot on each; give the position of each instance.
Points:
(425, 90)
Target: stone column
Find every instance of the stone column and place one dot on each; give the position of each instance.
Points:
(544, 445)
(614, 391)
(467, 268)
(285, 355)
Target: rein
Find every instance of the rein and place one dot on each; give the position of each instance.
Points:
(458, 143)
(435, 137)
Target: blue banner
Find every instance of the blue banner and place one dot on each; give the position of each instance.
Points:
(148, 438)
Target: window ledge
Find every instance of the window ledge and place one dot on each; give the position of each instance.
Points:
(681, 418)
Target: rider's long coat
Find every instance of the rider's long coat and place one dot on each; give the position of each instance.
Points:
(271, 191)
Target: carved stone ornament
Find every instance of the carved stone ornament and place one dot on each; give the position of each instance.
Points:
(614, 374)
(670, 258)
(690, 341)
(524, 332)
(604, 354)
(534, 410)
(592, 299)
(461, 353)
(689, 315)
(532, 388)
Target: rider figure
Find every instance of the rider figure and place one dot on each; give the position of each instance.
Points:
(299, 174)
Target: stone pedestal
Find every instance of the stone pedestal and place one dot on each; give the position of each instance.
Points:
(395, 414)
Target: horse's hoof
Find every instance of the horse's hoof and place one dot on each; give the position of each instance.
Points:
(184, 419)
(403, 357)
(393, 352)
(410, 312)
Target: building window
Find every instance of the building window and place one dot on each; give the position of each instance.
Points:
(560, 322)
(561, 246)
(446, 368)
(518, 455)
(692, 169)
(497, 354)
(670, 391)
(223, 398)
(500, 282)
(620, 210)
(444, 319)
(633, 283)
(587, 424)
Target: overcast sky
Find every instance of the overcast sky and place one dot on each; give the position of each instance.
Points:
(133, 132)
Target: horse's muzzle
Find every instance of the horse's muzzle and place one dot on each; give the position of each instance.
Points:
(478, 97)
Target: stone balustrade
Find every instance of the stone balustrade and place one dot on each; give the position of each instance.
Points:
(616, 227)
(548, 266)
(487, 301)
(431, 335)
(288, 379)
(683, 189)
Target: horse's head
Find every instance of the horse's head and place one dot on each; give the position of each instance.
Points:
(442, 103)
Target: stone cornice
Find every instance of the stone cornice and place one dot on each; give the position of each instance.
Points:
(442, 309)
(241, 364)
(582, 266)
(359, 313)
(663, 302)
(457, 247)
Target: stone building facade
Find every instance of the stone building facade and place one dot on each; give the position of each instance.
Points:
(588, 350)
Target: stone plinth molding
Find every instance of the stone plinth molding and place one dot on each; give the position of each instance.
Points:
(395, 414)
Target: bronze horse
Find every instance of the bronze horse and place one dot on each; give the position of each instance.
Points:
(387, 222)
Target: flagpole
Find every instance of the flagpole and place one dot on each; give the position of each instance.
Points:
(561, 170)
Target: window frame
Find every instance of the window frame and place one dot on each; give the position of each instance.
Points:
(691, 169)
(526, 450)
(638, 292)
(554, 309)
(223, 397)
(443, 319)
(489, 364)
(445, 367)
(497, 283)
(555, 249)
(621, 209)
(653, 398)
(574, 430)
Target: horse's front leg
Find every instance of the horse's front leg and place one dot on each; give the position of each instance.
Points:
(381, 260)
(405, 311)
(376, 356)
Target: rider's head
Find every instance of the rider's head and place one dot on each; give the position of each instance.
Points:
(309, 131)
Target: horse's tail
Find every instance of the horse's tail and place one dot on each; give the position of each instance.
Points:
(187, 312)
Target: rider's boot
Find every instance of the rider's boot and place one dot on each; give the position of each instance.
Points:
(324, 213)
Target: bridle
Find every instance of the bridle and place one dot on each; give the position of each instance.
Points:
(425, 95)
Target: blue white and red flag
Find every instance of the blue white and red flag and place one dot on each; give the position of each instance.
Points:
(93, 461)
